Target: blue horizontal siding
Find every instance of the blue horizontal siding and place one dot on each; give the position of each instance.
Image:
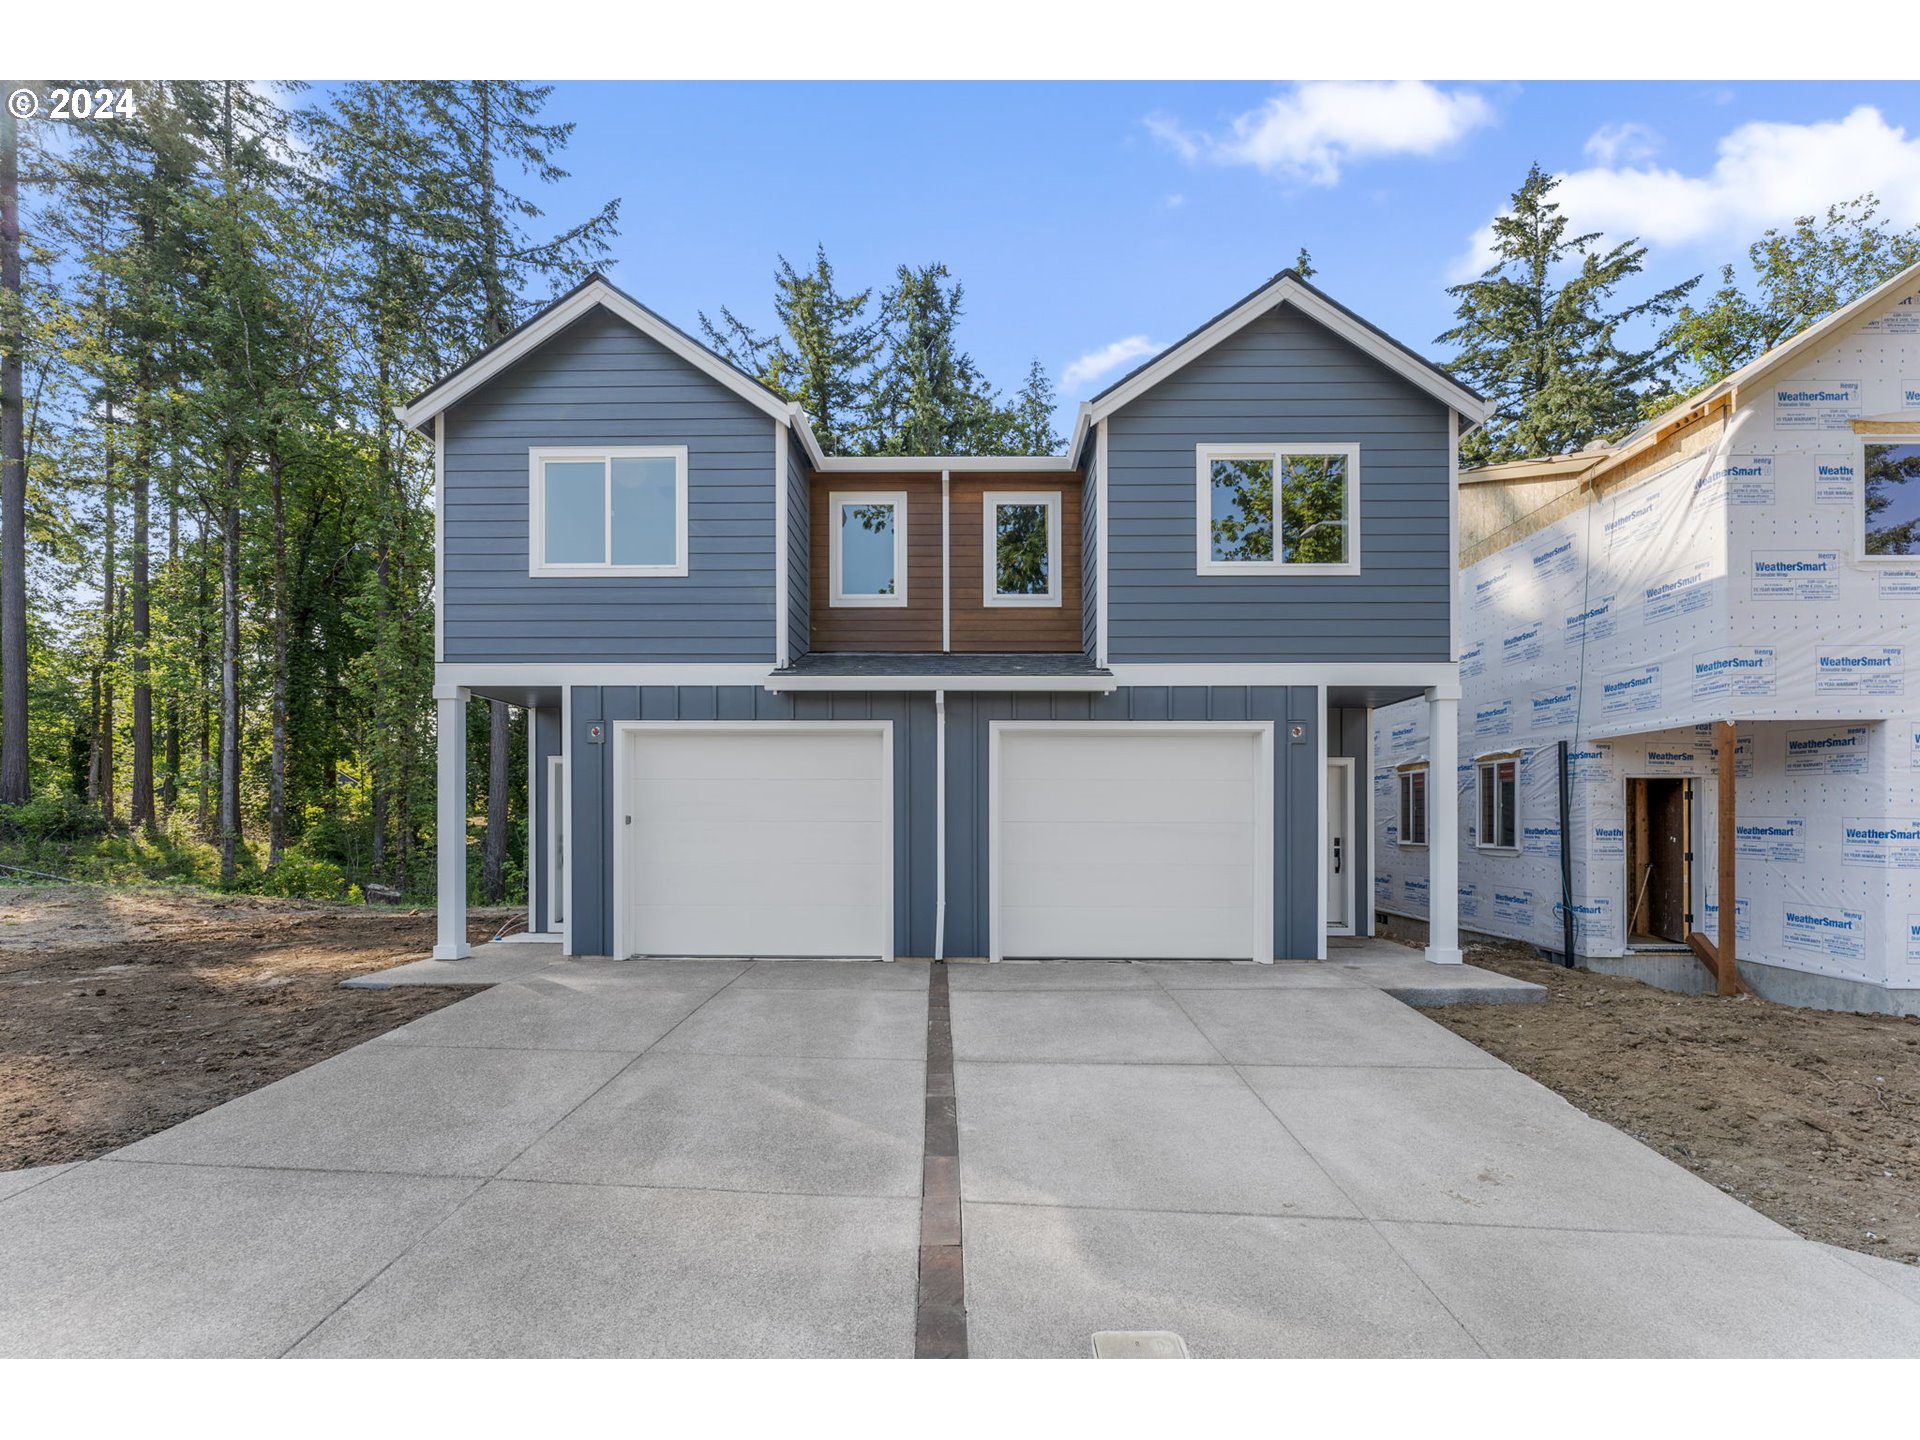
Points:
(601, 382)
(1283, 378)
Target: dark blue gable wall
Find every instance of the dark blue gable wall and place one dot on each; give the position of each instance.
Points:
(601, 382)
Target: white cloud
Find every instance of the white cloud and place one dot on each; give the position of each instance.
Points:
(1627, 141)
(1311, 131)
(1176, 200)
(1764, 173)
(1104, 361)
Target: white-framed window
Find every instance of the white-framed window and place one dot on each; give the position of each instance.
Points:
(1499, 783)
(1413, 805)
(1021, 548)
(867, 547)
(600, 510)
(1273, 509)
(1889, 498)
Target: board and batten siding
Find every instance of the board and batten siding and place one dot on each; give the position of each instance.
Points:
(590, 780)
(1296, 786)
(601, 382)
(1282, 378)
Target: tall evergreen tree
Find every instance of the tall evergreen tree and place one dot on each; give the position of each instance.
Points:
(927, 397)
(13, 481)
(1799, 275)
(1541, 335)
(1030, 428)
(823, 355)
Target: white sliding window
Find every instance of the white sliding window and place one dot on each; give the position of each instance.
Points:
(620, 511)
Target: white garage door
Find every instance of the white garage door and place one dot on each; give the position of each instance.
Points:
(1130, 841)
(756, 840)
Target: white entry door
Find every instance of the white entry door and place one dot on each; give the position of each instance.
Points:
(1339, 847)
(754, 838)
(1132, 840)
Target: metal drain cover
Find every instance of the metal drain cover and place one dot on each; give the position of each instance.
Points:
(1138, 1345)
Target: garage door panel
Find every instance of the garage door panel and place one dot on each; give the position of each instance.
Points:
(1153, 932)
(1106, 802)
(1184, 886)
(667, 883)
(1129, 841)
(736, 799)
(1179, 755)
(758, 930)
(758, 840)
(748, 753)
(1098, 842)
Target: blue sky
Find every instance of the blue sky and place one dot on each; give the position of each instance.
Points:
(1089, 220)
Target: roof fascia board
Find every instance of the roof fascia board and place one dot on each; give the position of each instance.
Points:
(1285, 291)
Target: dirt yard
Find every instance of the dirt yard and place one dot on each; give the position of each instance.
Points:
(1810, 1117)
(125, 1011)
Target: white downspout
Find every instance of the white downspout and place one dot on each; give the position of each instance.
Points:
(939, 825)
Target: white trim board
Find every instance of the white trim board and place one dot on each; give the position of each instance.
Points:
(934, 464)
(782, 641)
(1263, 811)
(480, 675)
(621, 733)
(1425, 674)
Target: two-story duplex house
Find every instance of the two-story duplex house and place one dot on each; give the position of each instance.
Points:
(1114, 703)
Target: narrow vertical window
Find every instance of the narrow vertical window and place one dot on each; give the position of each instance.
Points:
(1413, 805)
(868, 538)
(1498, 778)
(1021, 548)
(1891, 497)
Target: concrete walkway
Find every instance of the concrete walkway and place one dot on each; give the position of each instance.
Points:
(723, 1158)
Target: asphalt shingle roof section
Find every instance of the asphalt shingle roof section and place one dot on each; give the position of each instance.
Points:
(939, 665)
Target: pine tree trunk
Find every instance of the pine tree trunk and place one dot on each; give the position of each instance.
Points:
(140, 803)
(493, 856)
(109, 631)
(277, 779)
(13, 484)
(170, 787)
(229, 820)
(204, 667)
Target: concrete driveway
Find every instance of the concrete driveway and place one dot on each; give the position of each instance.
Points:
(718, 1158)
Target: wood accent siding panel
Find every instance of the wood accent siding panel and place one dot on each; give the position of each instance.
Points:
(601, 382)
(1282, 378)
(982, 629)
(912, 628)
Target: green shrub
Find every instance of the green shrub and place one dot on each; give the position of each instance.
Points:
(300, 876)
(53, 818)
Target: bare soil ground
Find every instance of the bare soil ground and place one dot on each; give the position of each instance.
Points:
(1809, 1116)
(124, 1011)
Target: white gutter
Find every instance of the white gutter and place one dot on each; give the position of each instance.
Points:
(939, 825)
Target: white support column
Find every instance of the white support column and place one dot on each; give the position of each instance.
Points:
(450, 827)
(1443, 825)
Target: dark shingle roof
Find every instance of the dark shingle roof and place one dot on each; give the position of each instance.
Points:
(939, 666)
